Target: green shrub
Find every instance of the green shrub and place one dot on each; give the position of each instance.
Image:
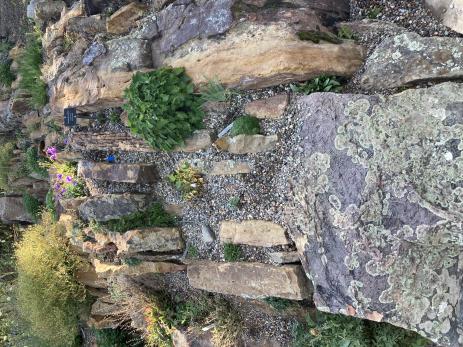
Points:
(319, 84)
(6, 154)
(49, 296)
(328, 330)
(50, 204)
(232, 252)
(346, 33)
(6, 76)
(29, 70)
(33, 162)
(159, 322)
(316, 36)
(31, 205)
(245, 125)
(187, 180)
(279, 304)
(154, 216)
(192, 251)
(162, 107)
(374, 12)
(215, 92)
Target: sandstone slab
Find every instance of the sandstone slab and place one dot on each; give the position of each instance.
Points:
(129, 173)
(124, 19)
(284, 257)
(250, 280)
(253, 233)
(245, 144)
(270, 108)
(408, 58)
(103, 208)
(450, 12)
(258, 56)
(230, 167)
(375, 206)
(105, 270)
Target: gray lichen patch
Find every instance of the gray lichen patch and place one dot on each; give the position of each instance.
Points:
(379, 200)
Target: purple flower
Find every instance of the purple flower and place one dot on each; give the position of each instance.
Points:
(66, 140)
(57, 186)
(51, 152)
(74, 183)
(68, 179)
(59, 176)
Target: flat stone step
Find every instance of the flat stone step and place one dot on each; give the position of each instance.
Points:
(105, 270)
(270, 108)
(245, 144)
(253, 232)
(143, 240)
(107, 141)
(102, 208)
(250, 280)
(121, 172)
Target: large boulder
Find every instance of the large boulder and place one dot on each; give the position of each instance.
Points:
(377, 206)
(450, 12)
(408, 59)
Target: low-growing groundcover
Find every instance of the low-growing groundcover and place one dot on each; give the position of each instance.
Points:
(335, 330)
(49, 297)
(162, 107)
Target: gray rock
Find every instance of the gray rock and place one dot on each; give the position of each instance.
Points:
(120, 172)
(103, 208)
(126, 54)
(408, 58)
(12, 210)
(45, 9)
(376, 206)
(147, 28)
(450, 12)
(86, 25)
(207, 235)
(185, 20)
(284, 257)
(95, 50)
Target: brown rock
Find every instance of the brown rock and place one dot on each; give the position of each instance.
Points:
(72, 203)
(230, 167)
(86, 25)
(105, 314)
(257, 56)
(284, 257)
(12, 210)
(253, 232)
(181, 338)
(129, 173)
(250, 280)
(90, 278)
(125, 18)
(105, 270)
(245, 144)
(271, 108)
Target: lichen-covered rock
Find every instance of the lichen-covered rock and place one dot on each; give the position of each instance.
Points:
(377, 206)
(449, 11)
(244, 144)
(103, 208)
(408, 58)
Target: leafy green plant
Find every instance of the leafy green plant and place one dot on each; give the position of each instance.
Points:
(114, 117)
(31, 205)
(319, 84)
(232, 252)
(187, 180)
(6, 154)
(33, 162)
(50, 205)
(329, 330)
(158, 317)
(215, 92)
(374, 12)
(234, 202)
(162, 107)
(154, 216)
(6, 75)
(49, 296)
(29, 70)
(346, 33)
(316, 36)
(116, 338)
(193, 251)
(192, 312)
(245, 125)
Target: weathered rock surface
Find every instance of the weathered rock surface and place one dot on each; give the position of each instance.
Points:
(85, 141)
(103, 208)
(271, 108)
(86, 25)
(245, 144)
(230, 167)
(284, 257)
(250, 280)
(257, 56)
(449, 11)
(12, 210)
(106, 270)
(408, 58)
(377, 206)
(141, 240)
(124, 19)
(45, 10)
(253, 232)
(129, 173)
(105, 314)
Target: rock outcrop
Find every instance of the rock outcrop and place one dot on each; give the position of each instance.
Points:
(253, 233)
(377, 206)
(250, 280)
(408, 58)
